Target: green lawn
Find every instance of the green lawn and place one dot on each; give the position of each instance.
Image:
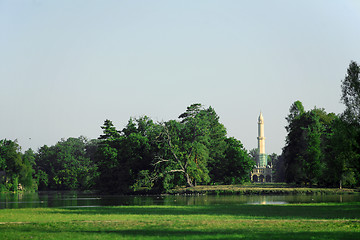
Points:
(293, 221)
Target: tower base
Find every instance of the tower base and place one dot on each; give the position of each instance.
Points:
(261, 174)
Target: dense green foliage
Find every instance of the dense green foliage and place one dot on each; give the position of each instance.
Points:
(303, 152)
(220, 221)
(68, 165)
(235, 165)
(350, 88)
(144, 156)
(159, 156)
(324, 148)
(123, 154)
(15, 168)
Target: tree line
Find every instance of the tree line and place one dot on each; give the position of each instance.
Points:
(324, 148)
(143, 156)
(321, 149)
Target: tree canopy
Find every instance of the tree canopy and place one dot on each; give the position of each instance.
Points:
(15, 169)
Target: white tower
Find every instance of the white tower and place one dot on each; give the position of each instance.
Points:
(262, 161)
(261, 138)
(262, 172)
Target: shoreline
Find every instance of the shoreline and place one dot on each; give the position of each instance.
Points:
(257, 189)
(244, 189)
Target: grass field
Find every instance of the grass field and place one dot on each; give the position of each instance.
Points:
(297, 221)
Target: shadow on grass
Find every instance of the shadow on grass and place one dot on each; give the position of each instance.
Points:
(41, 230)
(320, 211)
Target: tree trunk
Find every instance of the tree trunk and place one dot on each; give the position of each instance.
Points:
(188, 180)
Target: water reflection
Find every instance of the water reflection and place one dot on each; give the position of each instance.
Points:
(76, 199)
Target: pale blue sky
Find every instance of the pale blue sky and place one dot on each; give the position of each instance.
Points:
(66, 66)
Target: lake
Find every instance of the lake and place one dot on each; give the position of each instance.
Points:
(78, 199)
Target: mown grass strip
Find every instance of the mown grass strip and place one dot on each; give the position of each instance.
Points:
(303, 221)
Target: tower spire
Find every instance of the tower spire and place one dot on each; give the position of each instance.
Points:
(261, 142)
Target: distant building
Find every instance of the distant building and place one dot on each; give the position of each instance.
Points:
(262, 171)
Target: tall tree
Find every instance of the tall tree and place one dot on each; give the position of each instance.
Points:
(107, 160)
(184, 152)
(27, 172)
(65, 166)
(344, 144)
(217, 143)
(109, 130)
(195, 150)
(304, 151)
(340, 156)
(278, 168)
(295, 144)
(137, 146)
(312, 164)
(14, 168)
(351, 98)
(351, 93)
(188, 146)
(122, 155)
(236, 164)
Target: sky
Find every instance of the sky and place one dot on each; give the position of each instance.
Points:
(67, 66)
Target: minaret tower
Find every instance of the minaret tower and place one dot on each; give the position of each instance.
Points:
(262, 172)
(261, 161)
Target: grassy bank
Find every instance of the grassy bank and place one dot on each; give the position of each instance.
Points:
(267, 188)
(302, 221)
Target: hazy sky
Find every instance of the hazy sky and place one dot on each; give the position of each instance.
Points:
(66, 66)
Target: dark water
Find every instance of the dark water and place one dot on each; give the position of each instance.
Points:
(76, 199)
